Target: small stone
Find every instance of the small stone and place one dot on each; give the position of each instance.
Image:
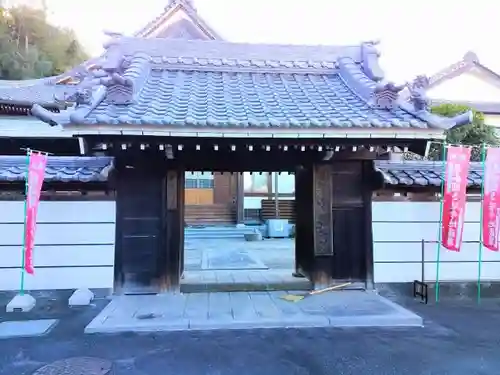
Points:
(81, 297)
(21, 303)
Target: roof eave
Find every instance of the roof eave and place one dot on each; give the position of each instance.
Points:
(435, 121)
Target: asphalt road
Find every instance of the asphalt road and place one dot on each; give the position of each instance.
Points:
(460, 338)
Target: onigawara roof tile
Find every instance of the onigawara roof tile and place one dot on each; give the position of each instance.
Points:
(59, 168)
(423, 173)
(192, 83)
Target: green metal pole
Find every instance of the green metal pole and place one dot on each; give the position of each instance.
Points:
(480, 261)
(438, 257)
(23, 255)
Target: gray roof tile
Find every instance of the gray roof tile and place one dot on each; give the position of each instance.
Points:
(39, 92)
(423, 173)
(240, 99)
(175, 82)
(59, 168)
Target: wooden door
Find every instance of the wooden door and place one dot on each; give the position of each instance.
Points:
(139, 230)
(350, 245)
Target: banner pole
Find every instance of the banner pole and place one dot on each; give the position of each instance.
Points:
(481, 223)
(23, 255)
(440, 230)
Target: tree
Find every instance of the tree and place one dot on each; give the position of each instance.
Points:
(474, 134)
(30, 47)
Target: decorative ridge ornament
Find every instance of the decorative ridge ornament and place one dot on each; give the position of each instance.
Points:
(120, 88)
(370, 61)
(418, 96)
(385, 95)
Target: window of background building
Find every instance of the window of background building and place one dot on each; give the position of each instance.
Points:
(286, 183)
(255, 182)
(199, 180)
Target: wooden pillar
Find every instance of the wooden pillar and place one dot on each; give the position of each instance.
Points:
(173, 229)
(333, 228)
(240, 199)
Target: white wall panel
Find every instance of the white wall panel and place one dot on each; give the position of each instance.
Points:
(61, 234)
(416, 211)
(398, 229)
(44, 256)
(61, 212)
(74, 245)
(59, 278)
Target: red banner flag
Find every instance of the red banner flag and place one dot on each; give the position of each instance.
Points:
(491, 199)
(455, 196)
(36, 174)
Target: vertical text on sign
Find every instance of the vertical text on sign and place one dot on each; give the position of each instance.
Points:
(491, 199)
(455, 196)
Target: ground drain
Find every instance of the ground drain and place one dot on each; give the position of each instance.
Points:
(76, 366)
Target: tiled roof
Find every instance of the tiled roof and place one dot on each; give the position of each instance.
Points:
(229, 85)
(173, 97)
(38, 92)
(59, 168)
(42, 91)
(422, 173)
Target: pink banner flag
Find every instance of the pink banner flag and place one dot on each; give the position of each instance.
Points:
(491, 199)
(455, 196)
(36, 174)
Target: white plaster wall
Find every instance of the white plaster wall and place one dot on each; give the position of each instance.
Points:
(74, 245)
(398, 229)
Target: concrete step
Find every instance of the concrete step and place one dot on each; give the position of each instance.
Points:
(215, 287)
(217, 232)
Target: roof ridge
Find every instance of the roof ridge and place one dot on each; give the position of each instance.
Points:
(469, 61)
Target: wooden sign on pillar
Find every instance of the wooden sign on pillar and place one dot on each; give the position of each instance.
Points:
(323, 226)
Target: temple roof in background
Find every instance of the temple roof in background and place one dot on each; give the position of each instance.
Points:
(179, 20)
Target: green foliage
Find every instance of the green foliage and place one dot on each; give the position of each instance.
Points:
(30, 47)
(473, 134)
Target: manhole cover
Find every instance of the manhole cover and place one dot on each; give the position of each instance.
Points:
(76, 366)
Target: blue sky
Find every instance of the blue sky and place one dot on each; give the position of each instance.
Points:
(416, 37)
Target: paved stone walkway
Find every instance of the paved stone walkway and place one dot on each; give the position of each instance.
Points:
(237, 254)
(206, 311)
(234, 264)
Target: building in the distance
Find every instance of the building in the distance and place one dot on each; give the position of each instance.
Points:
(471, 83)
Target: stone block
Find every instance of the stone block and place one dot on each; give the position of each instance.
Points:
(21, 303)
(81, 297)
(27, 328)
(255, 236)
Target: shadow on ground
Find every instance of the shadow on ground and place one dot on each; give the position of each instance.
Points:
(460, 338)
